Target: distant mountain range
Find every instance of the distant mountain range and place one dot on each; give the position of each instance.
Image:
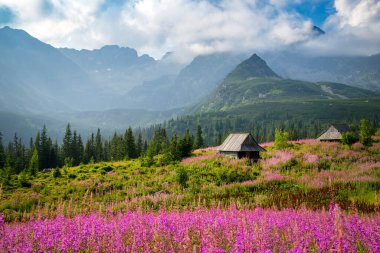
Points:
(113, 87)
(357, 71)
(253, 98)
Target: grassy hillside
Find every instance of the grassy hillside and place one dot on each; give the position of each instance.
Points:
(308, 173)
(259, 90)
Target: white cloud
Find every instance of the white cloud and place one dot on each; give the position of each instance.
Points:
(191, 27)
(354, 29)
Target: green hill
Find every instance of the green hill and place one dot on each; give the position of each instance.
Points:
(253, 81)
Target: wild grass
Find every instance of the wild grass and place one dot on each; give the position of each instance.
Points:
(306, 174)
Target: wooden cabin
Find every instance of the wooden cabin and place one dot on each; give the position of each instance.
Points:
(334, 133)
(241, 145)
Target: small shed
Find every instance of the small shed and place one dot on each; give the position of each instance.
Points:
(334, 133)
(241, 145)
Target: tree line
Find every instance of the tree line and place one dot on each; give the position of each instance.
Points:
(44, 153)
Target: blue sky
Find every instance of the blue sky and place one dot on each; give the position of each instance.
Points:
(317, 11)
(193, 27)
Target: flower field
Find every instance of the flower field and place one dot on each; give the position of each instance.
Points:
(205, 203)
(200, 230)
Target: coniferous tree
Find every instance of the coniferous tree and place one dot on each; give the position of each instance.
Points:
(145, 147)
(114, 147)
(186, 144)
(53, 160)
(106, 151)
(98, 147)
(90, 149)
(199, 138)
(44, 150)
(73, 149)
(67, 143)
(130, 143)
(139, 146)
(174, 148)
(79, 149)
(16, 153)
(34, 163)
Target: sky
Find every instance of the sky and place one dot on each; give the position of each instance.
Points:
(194, 27)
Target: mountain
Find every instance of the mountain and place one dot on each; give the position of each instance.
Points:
(194, 81)
(358, 71)
(119, 69)
(317, 31)
(253, 98)
(36, 77)
(114, 87)
(253, 81)
(251, 68)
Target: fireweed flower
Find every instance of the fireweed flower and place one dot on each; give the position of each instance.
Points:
(201, 230)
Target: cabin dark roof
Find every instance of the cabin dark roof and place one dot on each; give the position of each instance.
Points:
(342, 128)
(240, 142)
(334, 132)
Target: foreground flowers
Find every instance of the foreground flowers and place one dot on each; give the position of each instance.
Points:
(215, 230)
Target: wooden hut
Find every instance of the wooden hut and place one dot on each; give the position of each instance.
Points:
(241, 145)
(334, 133)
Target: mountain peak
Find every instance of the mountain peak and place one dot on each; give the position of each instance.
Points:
(317, 31)
(251, 68)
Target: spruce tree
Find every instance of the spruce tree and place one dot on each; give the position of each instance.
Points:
(34, 163)
(73, 148)
(139, 146)
(80, 149)
(89, 151)
(114, 148)
(174, 149)
(53, 160)
(130, 143)
(199, 139)
(67, 143)
(98, 147)
(186, 144)
(44, 150)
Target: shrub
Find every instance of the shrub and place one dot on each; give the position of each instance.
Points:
(281, 139)
(324, 164)
(24, 182)
(146, 161)
(366, 132)
(72, 176)
(164, 159)
(69, 161)
(107, 169)
(182, 177)
(288, 165)
(348, 138)
(56, 173)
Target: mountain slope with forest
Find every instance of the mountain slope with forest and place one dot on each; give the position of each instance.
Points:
(254, 98)
(253, 81)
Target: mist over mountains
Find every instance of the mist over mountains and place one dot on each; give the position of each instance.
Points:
(113, 87)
